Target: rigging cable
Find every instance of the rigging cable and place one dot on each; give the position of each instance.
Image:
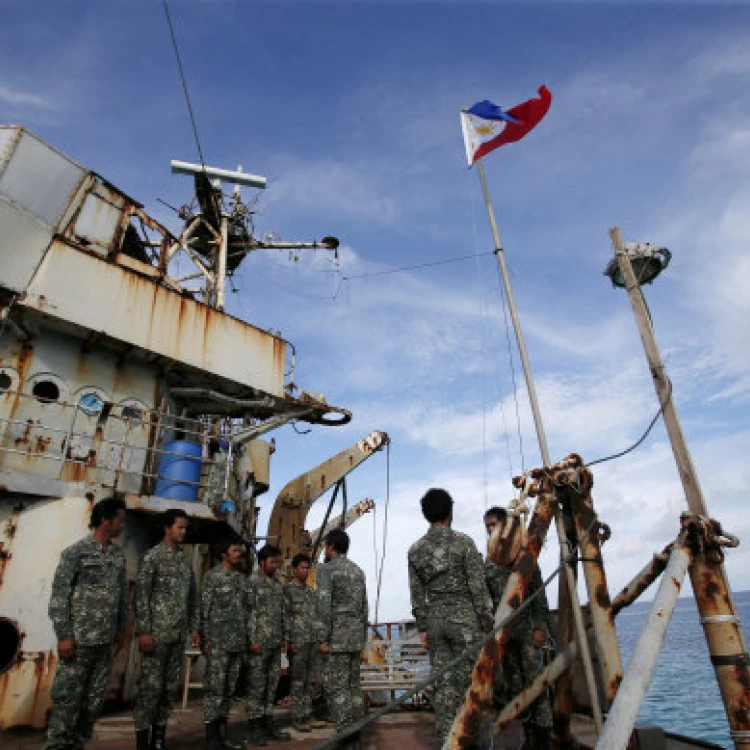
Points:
(401, 269)
(184, 83)
(385, 524)
(505, 304)
(642, 437)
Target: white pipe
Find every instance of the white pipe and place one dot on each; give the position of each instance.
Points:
(624, 711)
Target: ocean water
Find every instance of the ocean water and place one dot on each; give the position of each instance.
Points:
(683, 696)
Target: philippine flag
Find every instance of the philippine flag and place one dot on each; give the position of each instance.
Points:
(487, 127)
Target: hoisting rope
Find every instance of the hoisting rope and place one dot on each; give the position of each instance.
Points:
(350, 731)
(385, 526)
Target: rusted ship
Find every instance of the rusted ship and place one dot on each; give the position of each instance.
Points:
(115, 378)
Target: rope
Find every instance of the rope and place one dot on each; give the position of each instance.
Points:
(642, 437)
(385, 525)
(412, 268)
(184, 83)
(512, 366)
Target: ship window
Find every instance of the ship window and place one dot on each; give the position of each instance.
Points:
(5, 381)
(46, 390)
(10, 642)
(90, 403)
(132, 412)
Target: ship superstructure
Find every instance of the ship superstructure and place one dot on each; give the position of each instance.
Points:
(116, 379)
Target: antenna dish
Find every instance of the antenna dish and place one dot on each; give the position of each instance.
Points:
(213, 173)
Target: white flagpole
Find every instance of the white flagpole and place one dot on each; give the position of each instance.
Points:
(570, 577)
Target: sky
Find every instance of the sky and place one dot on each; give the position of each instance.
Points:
(351, 110)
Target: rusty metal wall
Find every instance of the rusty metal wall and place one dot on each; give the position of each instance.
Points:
(139, 312)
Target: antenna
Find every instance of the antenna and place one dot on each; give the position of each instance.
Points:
(224, 175)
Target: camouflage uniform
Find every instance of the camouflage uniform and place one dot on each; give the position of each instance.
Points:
(450, 602)
(223, 629)
(265, 617)
(342, 624)
(300, 602)
(522, 661)
(165, 608)
(89, 604)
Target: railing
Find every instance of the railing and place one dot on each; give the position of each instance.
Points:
(119, 446)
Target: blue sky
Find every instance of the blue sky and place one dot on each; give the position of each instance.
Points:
(351, 110)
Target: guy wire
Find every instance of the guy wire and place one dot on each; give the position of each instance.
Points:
(385, 524)
(184, 83)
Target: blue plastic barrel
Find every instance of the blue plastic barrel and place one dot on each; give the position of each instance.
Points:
(180, 463)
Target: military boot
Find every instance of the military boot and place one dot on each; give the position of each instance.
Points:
(213, 739)
(274, 732)
(224, 737)
(158, 737)
(257, 734)
(141, 739)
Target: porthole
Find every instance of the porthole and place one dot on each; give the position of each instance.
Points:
(91, 403)
(6, 381)
(10, 643)
(46, 391)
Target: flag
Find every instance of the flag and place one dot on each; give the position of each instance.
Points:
(487, 126)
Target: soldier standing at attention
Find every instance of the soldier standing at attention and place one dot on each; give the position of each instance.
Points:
(223, 633)
(89, 610)
(300, 610)
(449, 601)
(166, 607)
(342, 632)
(266, 633)
(523, 656)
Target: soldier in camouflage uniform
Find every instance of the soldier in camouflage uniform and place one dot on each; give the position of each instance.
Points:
(342, 631)
(266, 633)
(166, 607)
(449, 601)
(300, 610)
(223, 634)
(89, 611)
(524, 656)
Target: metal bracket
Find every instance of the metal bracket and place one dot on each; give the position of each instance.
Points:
(711, 619)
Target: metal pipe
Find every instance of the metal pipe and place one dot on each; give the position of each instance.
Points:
(624, 710)
(569, 579)
(600, 606)
(221, 267)
(643, 579)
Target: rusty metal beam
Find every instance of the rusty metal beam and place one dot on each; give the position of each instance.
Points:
(643, 579)
(590, 534)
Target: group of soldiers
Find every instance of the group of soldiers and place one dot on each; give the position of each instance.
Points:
(237, 621)
(241, 621)
(454, 595)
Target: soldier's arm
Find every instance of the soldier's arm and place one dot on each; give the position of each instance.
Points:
(418, 597)
(62, 589)
(287, 609)
(144, 589)
(205, 618)
(122, 614)
(480, 596)
(252, 611)
(324, 619)
(365, 607)
(193, 611)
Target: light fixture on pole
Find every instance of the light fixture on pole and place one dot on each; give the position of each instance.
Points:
(647, 260)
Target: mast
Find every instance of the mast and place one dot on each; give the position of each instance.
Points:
(721, 623)
(568, 584)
